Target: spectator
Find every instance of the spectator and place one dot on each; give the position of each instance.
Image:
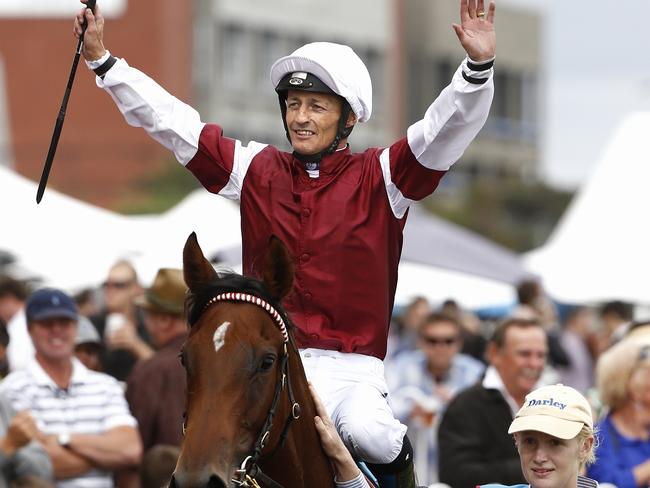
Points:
(474, 341)
(403, 333)
(20, 454)
(616, 316)
(13, 294)
(156, 387)
(88, 345)
(554, 436)
(623, 380)
(83, 419)
(120, 324)
(575, 339)
(422, 382)
(87, 303)
(158, 465)
(535, 304)
(474, 445)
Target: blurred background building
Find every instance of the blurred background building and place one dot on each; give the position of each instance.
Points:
(216, 55)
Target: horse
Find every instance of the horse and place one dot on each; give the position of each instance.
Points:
(249, 418)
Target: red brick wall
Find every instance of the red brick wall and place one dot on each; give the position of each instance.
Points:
(98, 153)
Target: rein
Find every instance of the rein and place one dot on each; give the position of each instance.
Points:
(245, 476)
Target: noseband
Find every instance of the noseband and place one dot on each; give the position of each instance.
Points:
(245, 476)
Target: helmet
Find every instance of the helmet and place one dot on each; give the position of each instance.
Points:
(334, 65)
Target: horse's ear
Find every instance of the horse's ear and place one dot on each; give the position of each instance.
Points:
(278, 269)
(196, 269)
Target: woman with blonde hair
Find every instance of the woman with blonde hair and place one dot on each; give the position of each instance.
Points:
(623, 380)
(554, 434)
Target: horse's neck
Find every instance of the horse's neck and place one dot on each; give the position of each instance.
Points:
(302, 461)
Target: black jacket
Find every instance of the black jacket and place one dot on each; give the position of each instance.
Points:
(473, 441)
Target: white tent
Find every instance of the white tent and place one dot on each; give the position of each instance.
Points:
(63, 241)
(215, 220)
(599, 249)
(438, 284)
(70, 244)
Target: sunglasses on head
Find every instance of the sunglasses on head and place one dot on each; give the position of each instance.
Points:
(439, 341)
(120, 285)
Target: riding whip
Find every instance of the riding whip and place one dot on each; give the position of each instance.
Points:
(64, 104)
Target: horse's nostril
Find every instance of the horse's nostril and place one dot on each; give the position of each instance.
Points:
(215, 482)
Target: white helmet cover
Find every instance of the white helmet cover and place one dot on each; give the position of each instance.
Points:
(337, 66)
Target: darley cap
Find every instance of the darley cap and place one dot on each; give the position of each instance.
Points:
(557, 410)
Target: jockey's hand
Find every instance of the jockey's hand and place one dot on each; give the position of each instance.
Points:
(93, 47)
(476, 29)
(345, 467)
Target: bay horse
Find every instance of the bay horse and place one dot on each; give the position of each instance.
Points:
(249, 414)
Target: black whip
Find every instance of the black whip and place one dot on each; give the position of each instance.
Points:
(61, 117)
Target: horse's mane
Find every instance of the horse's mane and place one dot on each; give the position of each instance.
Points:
(229, 282)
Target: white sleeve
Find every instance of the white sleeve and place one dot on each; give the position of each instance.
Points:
(453, 119)
(358, 482)
(144, 103)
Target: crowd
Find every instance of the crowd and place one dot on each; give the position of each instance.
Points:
(93, 393)
(458, 401)
(92, 400)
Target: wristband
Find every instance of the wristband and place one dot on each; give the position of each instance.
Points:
(108, 64)
(474, 81)
(482, 66)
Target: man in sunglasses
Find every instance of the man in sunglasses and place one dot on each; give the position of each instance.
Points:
(423, 381)
(474, 445)
(121, 324)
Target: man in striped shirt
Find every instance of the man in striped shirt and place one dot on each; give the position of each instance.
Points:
(84, 421)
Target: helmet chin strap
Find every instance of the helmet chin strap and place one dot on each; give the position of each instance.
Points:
(311, 162)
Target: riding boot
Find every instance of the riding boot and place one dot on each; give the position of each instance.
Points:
(400, 473)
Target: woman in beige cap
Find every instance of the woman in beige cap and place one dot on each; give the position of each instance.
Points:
(554, 434)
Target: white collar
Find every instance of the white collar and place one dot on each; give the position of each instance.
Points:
(79, 373)
(492, 381)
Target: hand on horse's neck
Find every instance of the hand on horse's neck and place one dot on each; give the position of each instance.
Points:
(59, 371)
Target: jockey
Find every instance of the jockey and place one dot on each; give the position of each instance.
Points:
(341, 214)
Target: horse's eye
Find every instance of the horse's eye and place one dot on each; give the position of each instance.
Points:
(181, 358)
(267, 362)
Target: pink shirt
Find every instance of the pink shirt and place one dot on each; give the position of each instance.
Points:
(339, 227)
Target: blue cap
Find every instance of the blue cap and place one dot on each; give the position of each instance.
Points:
(49, 303)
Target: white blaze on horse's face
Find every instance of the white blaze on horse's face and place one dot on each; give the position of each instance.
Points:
(219, 337)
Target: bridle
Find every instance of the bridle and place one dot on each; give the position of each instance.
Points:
(246, 476)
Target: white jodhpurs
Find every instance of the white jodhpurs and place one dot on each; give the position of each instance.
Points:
(354, 391)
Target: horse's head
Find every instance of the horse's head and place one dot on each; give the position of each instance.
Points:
(234, 357)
